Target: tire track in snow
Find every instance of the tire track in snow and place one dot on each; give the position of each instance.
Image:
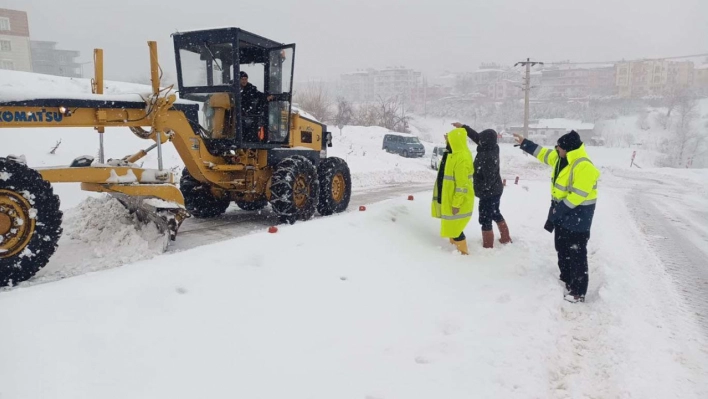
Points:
(687, 264)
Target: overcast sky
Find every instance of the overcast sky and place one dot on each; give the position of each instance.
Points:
(337, 36)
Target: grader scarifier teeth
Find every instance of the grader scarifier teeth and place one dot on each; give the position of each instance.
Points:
(167, 216)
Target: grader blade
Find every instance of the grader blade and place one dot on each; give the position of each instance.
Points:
(167, 216)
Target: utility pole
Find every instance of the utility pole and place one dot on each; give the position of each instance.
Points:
(527, 90)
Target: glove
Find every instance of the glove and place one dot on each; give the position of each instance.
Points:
(549, 226)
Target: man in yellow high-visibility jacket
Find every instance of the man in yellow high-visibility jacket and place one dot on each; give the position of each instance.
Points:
(453, 194)
(574, 194)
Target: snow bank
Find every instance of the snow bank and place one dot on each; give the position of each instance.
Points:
(100, 234)
(371, 166)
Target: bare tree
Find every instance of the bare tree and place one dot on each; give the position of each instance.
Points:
(365, 115)
(672, 97)
(54, 149)
(391, 114)
(315, 99)
(686, 135)
(643, 120)
(464, 84)
(508, 111)
(345, 112)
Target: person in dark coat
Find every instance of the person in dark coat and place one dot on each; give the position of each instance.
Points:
(252, 101)
(488, 186)
(253, 106)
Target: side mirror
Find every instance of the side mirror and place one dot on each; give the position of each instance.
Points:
(328, 136)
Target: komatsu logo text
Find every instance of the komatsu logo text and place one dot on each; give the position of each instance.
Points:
(24, 116)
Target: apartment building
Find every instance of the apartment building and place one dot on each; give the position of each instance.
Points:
(47, 59)
(652, 77)
(15, 51)
(576, 82)
(372, 84)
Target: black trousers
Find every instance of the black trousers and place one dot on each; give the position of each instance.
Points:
(572, 248)
(489, 212)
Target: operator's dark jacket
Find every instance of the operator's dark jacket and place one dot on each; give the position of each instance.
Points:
(487, 178)
(252, 101)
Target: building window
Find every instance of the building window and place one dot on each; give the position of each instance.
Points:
(5, 45)
(4, 23)
(7, 64)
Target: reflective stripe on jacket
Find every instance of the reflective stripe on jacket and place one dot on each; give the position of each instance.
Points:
(573, 185)
(457, 188)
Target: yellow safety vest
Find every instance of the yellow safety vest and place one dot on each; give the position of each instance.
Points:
(576, 184)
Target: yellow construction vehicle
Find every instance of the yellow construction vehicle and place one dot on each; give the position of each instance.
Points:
(242, 146)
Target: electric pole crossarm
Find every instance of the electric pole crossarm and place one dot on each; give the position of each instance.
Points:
(527, 90)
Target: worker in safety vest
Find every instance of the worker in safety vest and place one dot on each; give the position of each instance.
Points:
(574, 194)
(453, 194)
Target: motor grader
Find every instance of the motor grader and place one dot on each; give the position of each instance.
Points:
(252, 155)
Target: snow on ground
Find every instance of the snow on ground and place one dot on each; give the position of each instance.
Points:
(363, 305)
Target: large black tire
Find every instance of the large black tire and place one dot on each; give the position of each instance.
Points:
(30, 222)
(198, 199)
(335, 186)
(294, 189)
(256, 205)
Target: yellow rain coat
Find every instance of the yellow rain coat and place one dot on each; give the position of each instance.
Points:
(453, 187)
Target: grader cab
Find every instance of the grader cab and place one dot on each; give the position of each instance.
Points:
(238, 145)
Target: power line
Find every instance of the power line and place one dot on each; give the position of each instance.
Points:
(617, 62)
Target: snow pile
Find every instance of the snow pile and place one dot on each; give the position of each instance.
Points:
(18, 86)
(107, 236)
(364, 305)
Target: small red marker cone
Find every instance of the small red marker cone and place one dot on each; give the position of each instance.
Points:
(410, 198)
(362, 208)
(272, 229)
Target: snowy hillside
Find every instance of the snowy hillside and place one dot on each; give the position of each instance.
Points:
(364, 305)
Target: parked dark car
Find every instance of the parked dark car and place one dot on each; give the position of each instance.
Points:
(403, 144)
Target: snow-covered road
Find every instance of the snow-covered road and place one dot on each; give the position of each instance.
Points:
(673, 216)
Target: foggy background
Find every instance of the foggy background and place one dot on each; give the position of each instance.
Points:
(335, 37)
(616, 71)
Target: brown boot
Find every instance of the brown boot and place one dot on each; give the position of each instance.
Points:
(452, 241)
(504, 232)
(461, 246)
(488, 239)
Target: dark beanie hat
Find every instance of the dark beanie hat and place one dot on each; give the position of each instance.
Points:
(570, 141)
(243, 74)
